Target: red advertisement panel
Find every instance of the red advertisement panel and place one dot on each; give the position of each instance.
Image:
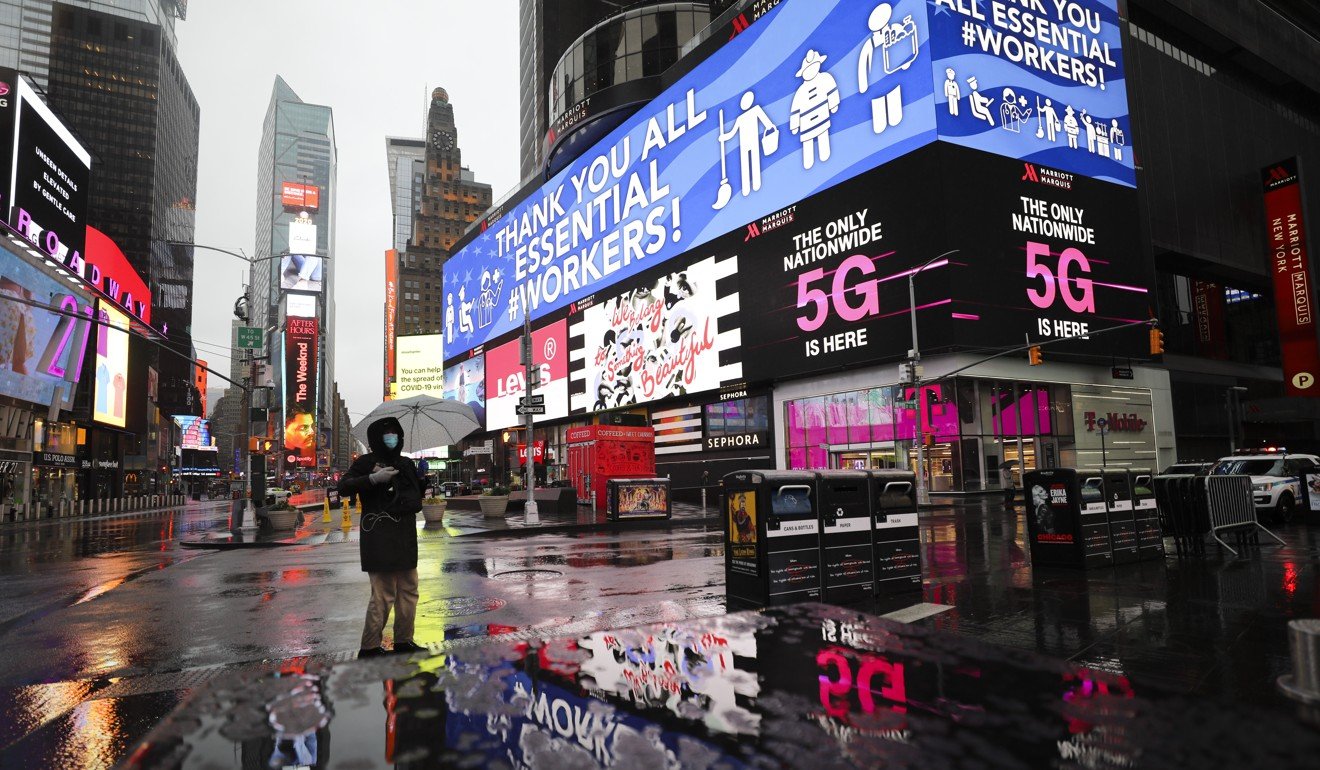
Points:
(1208, 309)
(295, 195)
(1294, 286)
(506, 377)
(300, 391)
(108, 271)
(391, 308)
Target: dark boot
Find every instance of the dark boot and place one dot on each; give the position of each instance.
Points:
(372, 652)
(409, 646)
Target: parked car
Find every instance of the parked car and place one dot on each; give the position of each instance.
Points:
(1276, 480)
(455, 488)
(277, 495)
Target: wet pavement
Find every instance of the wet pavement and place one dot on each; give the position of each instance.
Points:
(113, 623)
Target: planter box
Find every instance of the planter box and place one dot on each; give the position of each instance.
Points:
(282, 520)
(433, 511)
(494, 505)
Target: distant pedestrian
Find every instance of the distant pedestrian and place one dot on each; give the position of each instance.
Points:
(390, 489)
(1009, 483)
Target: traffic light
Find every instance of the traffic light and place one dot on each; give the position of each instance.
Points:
(1156, 341)
(261, 445)
(1033, 355)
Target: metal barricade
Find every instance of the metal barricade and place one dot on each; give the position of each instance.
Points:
(1231, 508)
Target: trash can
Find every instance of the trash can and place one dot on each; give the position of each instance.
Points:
(1118, 508)
(1053, 498)
(1097, 543)
(1145, 510)
(771, 537)
(895, 536)
(846, 557)
(637, 499)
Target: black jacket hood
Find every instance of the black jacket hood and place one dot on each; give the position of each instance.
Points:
(375, 437)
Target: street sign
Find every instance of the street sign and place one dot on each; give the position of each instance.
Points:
(533, 400)
(249, 337)
(522, 409)
(1121, 372)
(912, 404)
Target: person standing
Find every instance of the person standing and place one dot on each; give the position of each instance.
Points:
(1009, 483)
(391, 494)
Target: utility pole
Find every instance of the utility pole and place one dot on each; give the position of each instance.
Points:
(530, 513)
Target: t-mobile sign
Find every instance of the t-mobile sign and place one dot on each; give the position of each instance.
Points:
(1294, 286)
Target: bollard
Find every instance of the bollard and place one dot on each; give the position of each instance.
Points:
(325, 514)
(1303, 684)
(359, 502)
(347, 522)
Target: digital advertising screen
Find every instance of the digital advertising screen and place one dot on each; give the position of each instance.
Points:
(296, 195)
(1041, 82)
(110, 403)
(196, 431)
(465, 382)
(419, 366)
(46, 190)
(41, 353)
(506, 378)
(664, 334)
(300, 305)
(300, 377)
(772, 117)
(301, 269)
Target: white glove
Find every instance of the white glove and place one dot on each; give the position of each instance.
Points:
(384, 475)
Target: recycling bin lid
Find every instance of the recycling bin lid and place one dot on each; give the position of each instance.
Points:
(774, 477)
(842, 474)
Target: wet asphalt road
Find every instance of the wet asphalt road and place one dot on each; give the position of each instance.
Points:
(110, 622)
(107, 625)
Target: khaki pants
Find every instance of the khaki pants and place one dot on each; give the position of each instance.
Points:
(391, 589)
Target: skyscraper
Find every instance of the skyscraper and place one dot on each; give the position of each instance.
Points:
(406, 159)
(293, 274)
(112, 73)
(448, 200)
(609, 46)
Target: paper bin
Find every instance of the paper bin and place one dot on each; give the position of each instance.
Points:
(847, 560)
(771, 537)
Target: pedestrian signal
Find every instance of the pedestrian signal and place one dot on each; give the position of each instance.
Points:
(1034, 356)
(261, 445)
(1156, 342)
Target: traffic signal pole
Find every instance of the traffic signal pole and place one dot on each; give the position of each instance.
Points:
(530, 513)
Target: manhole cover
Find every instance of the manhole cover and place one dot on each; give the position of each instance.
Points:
(463, 605)
(527, 575)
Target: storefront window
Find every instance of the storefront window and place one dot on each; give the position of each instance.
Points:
(881, 411)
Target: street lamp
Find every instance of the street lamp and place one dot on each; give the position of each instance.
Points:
(914, 376)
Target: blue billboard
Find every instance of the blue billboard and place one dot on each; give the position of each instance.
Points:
(812, 94)
(775, 115)
(1037, 80)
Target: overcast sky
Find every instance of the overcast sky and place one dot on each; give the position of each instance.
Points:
(375, 64)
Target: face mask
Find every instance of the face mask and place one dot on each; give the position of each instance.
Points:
(391, 441)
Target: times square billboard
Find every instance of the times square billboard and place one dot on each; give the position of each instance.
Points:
(759, 219)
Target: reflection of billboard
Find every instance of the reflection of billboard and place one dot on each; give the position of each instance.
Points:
(420, 365)
(110, 404)
(39, 351)
(300, 374)
(196, 431)
(466, 382)
(659, 338)
(506, 378)
(301, 272)
(295, 195)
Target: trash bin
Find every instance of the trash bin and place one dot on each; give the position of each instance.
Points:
(771, 537)
(846, 557)
(1150, 538)
(637, 499)
(1066, 521)
(1118, 508)
(895, 536)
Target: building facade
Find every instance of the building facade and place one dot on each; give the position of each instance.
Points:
(589, 63)
(293, 275)
(778, 371)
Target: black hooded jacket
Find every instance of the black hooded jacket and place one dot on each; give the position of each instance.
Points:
(389, 511)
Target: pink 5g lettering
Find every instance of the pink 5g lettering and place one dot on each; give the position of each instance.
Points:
(1078, 293)
(808, 295)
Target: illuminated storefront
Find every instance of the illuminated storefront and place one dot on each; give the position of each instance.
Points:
(971, 426)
